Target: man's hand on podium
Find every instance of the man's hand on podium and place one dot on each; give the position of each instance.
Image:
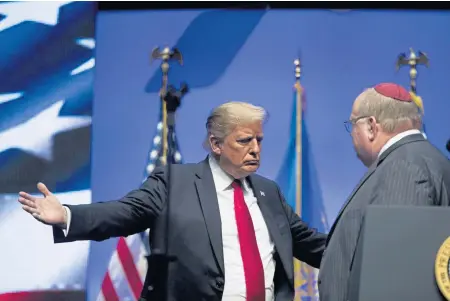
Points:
(47, 210)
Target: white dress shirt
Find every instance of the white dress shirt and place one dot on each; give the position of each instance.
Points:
(397, 138)
(234, 289)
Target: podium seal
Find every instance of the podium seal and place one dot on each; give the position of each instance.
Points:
(442, 269)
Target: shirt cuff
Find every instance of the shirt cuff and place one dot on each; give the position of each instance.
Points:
(69, 216)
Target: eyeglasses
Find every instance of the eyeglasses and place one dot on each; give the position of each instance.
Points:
(349, 123)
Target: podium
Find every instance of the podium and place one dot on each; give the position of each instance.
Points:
(402, 254)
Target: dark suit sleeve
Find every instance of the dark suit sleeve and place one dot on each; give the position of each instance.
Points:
(308, 244)
(403, 183)
(132, 214)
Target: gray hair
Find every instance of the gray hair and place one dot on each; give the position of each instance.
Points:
(389, 112)
(223, 119)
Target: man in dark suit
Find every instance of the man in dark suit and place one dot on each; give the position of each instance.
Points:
(403, 169)
(232, 233)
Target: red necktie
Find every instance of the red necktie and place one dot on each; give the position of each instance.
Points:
(253, 268)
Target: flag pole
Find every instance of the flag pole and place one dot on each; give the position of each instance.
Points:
(413, 61)
(298, 165)
(156, 281)
(298, 140)
(165, 55)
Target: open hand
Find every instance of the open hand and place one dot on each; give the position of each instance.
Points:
(47, 210)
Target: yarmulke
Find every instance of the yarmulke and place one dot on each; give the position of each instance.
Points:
(393, 91)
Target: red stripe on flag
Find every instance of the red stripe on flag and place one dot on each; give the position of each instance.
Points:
(108, 290)
(129, 267)
(65, 295)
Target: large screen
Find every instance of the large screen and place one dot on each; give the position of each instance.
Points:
(46, 91)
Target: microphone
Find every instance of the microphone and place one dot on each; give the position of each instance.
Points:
(448, 145)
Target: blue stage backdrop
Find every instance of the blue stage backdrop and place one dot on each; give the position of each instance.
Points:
(46, 91)
(248, 55)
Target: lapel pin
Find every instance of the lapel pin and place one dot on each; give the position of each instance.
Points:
(262, 193)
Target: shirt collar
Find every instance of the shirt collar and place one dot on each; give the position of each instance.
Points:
(397, 138)
(222, 180)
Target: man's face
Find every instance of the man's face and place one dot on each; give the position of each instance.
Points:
(363, 135)
(239, 153)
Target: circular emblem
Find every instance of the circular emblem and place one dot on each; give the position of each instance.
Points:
(442, 269)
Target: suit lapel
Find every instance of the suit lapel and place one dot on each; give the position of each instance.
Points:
(271, 223)
(207, 195)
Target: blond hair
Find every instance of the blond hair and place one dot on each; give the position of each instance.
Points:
(389, 112)
(223, 119)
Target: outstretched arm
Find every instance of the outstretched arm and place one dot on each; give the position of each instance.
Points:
(132, 214)
(99, 221)
(308, 244)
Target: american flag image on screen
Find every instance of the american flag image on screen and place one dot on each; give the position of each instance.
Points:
(46, 91)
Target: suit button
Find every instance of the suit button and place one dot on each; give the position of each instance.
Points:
(219, 283)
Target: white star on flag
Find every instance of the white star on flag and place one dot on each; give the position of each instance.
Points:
(88, 43)
(10, 96)
(36, 11)
(35, 135)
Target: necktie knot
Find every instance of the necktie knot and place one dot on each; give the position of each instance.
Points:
(237, 184)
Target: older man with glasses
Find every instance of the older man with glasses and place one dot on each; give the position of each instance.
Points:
(403, 169)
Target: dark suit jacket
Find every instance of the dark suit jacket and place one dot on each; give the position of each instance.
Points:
(410, 172)
(195, 229)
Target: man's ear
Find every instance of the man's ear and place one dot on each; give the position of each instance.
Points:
(372, 128)
(215, 144)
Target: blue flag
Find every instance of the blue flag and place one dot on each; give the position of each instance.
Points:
(308, 203)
